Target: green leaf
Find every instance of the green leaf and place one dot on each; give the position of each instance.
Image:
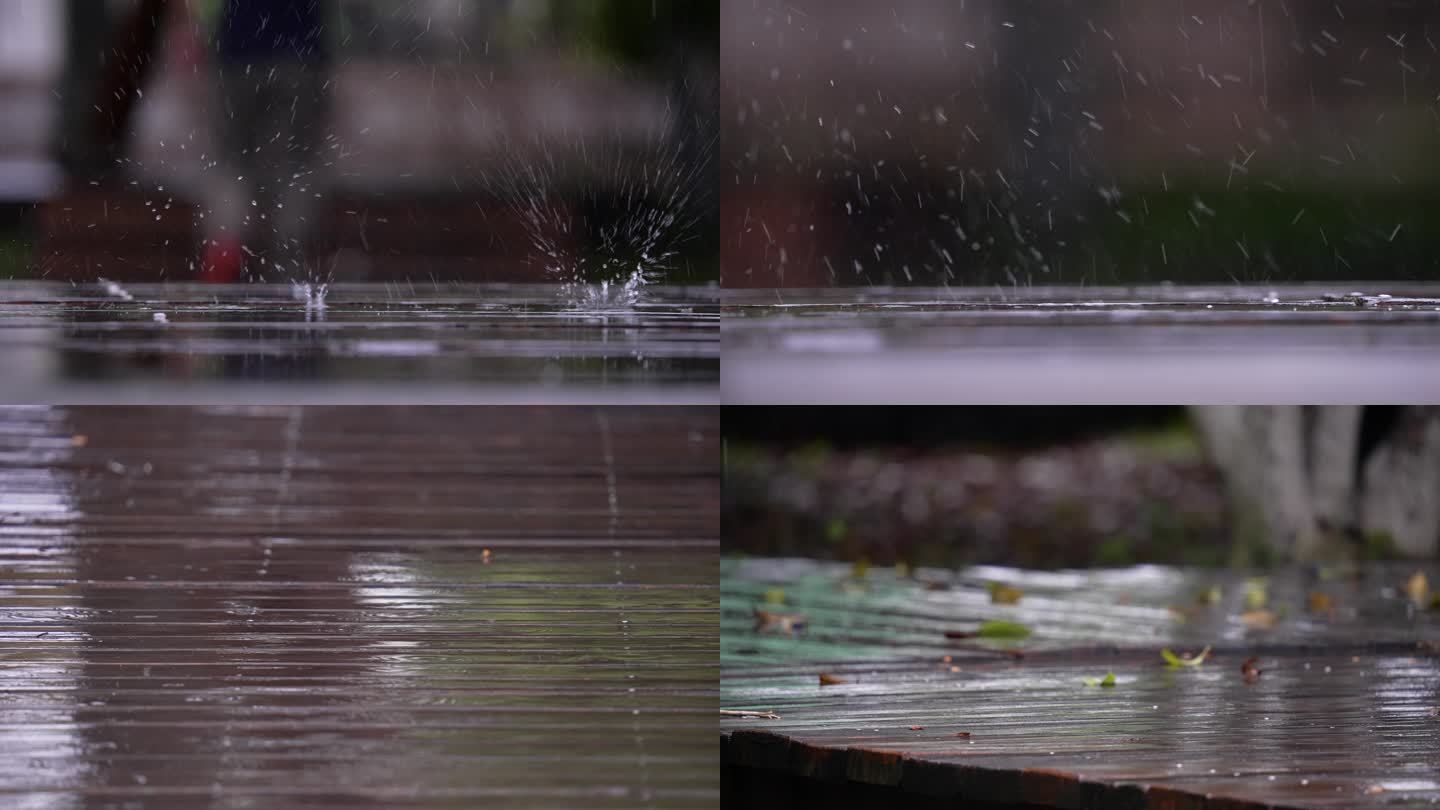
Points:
(1106, 682)
(1257, 593)
(1176, 661)
(1003, 629)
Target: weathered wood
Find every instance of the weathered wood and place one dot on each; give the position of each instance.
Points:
(1343, 712)
(342, 607)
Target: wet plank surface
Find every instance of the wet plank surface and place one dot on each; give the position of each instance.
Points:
(1310, 343)
(446, 343)
(1343, 712)
(296, 607)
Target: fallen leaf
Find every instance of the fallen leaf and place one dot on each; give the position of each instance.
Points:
(962, 734)
(831, 680)
(775, 596)
(1209, 596)
(902, 569)
(954, 669)
(1257, 593)
(484, 556)
(1188, 661)
(1107, 682)
(860, 569)
(79, 440)
(917, 728)
(1002, 594)
(1002, 629)
(946, 659)
(783, 623)
(1418, 589)
(1320, 602)
(1258, 619)
(1250, 671)
(934, 585)
(1374, 790)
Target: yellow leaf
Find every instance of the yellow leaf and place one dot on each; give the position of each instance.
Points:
(1193, 661)
(1001, 594)
(1320, 602)
(1418, 589)
(860, 568)
(1257, 593)
(775, 596)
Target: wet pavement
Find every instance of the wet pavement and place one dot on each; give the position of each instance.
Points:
(445, 343)
(1318, 344)
(346, 607)
(1344, 710)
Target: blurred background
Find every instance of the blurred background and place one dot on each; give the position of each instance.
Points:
(482, 140)
(933, 142)
(1049, 487)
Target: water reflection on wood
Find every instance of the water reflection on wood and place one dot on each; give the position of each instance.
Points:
(239, 607)
(1082, 345)
(461, 343)
(1338, 709)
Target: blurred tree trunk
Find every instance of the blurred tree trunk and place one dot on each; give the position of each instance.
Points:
(1309, 484)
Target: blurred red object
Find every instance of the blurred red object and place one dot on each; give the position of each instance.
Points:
(223, 261)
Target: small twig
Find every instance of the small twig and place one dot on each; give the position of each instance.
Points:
(760, 715)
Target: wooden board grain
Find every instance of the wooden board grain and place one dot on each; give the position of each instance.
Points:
(341, 607)
(365, 343)
(1345, 710)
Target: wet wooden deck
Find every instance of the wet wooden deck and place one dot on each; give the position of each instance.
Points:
(1311, 343)
(347, 607)
(366, 343)
(1345, 710)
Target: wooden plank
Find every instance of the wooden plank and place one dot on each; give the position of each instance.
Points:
(1082, 345)
(1344, 711)
(526, 342)
(344, 607)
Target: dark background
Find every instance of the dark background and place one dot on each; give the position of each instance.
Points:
(1062, 142)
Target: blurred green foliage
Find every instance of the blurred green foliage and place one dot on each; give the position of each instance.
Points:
(636, 32)
(16, 255)
(1199, 232)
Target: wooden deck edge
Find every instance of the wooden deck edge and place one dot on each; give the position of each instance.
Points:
(756, 764)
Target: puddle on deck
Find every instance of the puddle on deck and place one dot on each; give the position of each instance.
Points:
(462, 343)
(1343, 713)
(287, 607)
(1310, 343)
